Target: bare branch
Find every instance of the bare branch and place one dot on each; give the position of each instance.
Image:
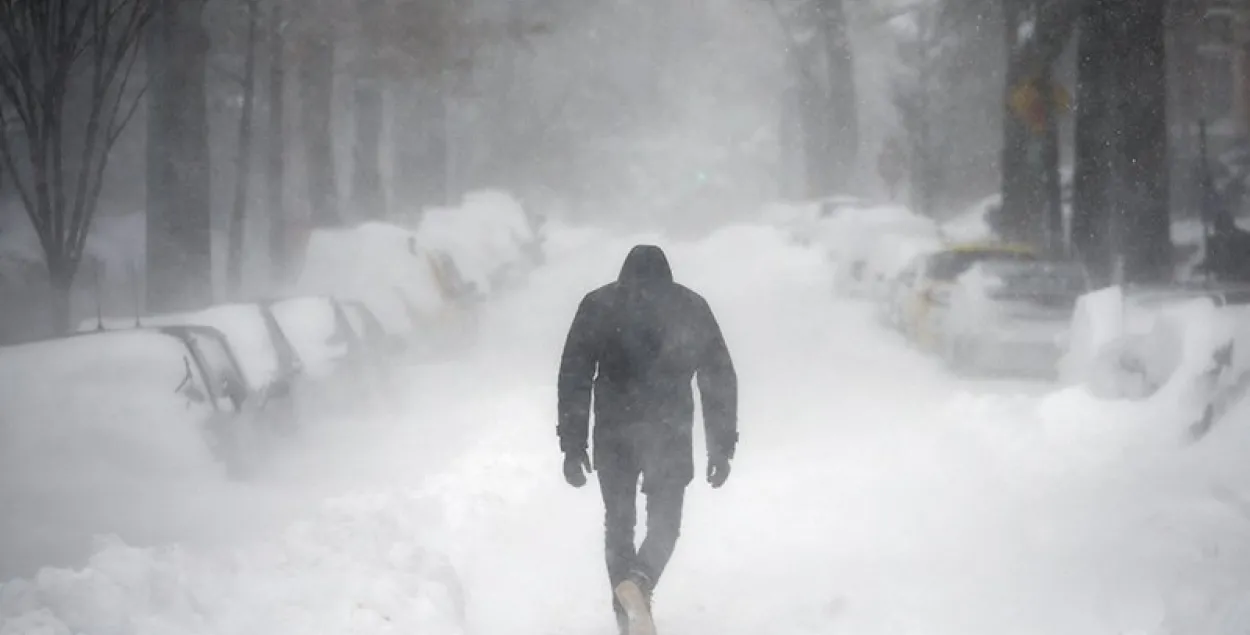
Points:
(120, 67)
(44, 45)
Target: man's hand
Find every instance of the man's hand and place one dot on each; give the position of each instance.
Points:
(576, 467)
(717, 471)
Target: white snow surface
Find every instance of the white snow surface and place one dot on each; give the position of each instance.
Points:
(872, 493)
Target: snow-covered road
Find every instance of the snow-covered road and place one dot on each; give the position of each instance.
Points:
(872, 493)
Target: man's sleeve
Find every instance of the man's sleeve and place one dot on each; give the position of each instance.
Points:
(718, 388)
(577, 378)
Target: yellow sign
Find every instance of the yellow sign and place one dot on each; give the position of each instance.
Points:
(1028, 104)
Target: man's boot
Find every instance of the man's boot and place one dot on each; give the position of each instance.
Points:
(634, 594)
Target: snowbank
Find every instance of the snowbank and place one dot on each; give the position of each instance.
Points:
(379, 561)
(1181, 350)
(321, 575)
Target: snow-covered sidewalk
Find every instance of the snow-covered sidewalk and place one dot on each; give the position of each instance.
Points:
(872, 493)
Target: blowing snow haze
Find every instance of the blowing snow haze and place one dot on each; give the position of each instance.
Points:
(632, 318)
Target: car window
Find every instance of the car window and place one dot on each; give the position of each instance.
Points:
(1043, 281)
(949, 265)
(226, 384)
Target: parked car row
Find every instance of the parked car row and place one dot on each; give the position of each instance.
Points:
(249, 374)
(231, 383)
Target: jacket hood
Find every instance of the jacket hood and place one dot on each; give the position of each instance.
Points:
(646, 264)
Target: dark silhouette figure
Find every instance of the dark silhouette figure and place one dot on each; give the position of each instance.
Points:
(636, 344)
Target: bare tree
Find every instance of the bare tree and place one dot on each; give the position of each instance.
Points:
(55, 58)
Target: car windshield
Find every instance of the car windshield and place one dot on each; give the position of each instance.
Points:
(949, 265)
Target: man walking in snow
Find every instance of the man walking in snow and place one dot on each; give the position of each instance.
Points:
(636, 343)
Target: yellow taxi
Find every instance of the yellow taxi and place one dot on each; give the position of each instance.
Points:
(926, 294)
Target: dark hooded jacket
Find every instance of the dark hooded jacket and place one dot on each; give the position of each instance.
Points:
(636, 344)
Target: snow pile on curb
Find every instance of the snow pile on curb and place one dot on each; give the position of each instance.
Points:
(362, 565)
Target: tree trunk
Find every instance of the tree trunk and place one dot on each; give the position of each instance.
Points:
(1050, 228)
(1012, 222)
(367, 196)
(1122, 207)
(61, 284)
(1142, 205)
(244, 173)
(279, 243)
(316, 102)
(843, 126)
(179, 219)
(1092, 162)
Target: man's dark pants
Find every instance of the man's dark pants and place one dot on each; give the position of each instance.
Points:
(618, 482)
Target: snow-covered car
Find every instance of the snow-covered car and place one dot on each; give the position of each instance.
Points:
(336, 356)
(161, 399)
(269, 363)
(1128, 341)
(318, 330)
(923, 301)
(1011, 316)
